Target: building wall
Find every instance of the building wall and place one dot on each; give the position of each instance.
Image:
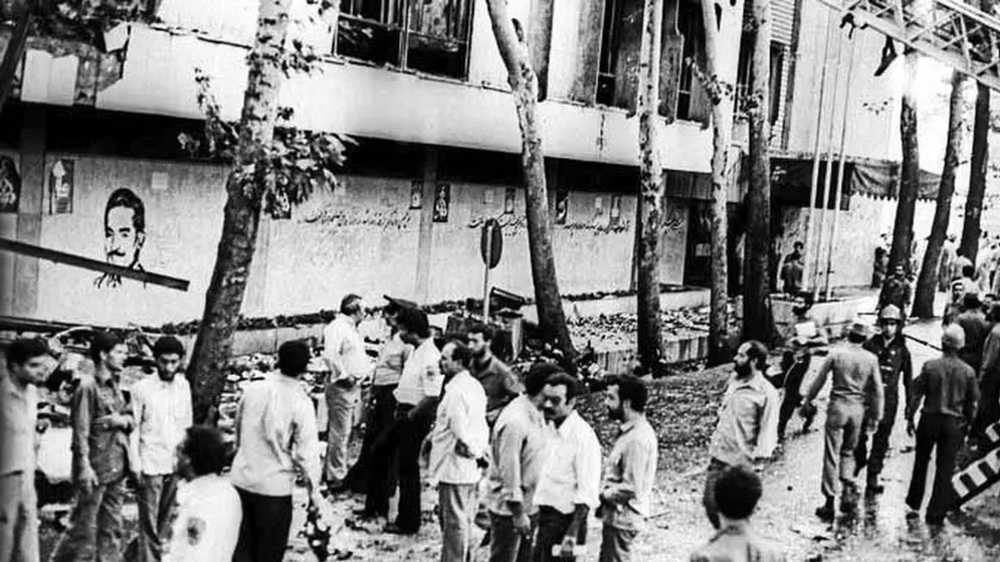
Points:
(361, 236)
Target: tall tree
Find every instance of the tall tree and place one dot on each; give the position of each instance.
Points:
(720, 95)
(909, 185)
(757, 321)
(651, 186)
(969, 246)
(510, 38)
(272, 169)
(923, 302)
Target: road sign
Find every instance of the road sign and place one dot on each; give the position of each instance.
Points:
(491, 243)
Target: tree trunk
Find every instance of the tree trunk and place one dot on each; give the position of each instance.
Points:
(978, 168)
(241, 216)
(757, 321)
(722, 117)
(909, 185)
(927, 284)
(650, 324)
(509, 35)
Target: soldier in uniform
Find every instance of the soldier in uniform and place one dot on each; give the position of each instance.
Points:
(896, 290)
(895, 364)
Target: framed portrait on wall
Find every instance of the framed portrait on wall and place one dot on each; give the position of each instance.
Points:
(61, 187)
(615, 212)
(562, 206)
(442, 202)
(509, 198)
(416, 194)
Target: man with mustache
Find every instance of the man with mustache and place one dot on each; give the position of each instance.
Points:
(124, 233)
(748, 421)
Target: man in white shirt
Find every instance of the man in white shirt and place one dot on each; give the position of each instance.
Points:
(417, 395)
(344, 352)
(162, 412)
(208, 509)
(570, 481)
(459, 441)
(275, 437)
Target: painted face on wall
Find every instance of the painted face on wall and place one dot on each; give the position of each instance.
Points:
(122, 242)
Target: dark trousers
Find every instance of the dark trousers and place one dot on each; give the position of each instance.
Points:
(401, 440)
(875, 459)
(552, 527)
(789, 404)
(96, 529)
(945, 433)
(616, 544)
(264, 529)
(157, 494)
(382, 411)
(506, 544)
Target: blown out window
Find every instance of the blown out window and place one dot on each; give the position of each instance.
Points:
(431, 36)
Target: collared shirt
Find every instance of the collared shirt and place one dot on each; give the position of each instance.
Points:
(461, 418)
(18, 416)
(275, 431)
(162, 414)
(631, 470)
(421, 376)
(857, 378)
(895, 363)
(947, 386)
(748, 421)
(519, 449)
(104, 449)
(207, 524)
(571, 474)
(391, 359)
(499, 382)
(738, 542)
(344, 350)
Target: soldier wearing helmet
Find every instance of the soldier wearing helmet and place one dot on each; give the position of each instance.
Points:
(895, 366)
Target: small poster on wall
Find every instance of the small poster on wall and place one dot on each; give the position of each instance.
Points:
(10, 185)
(442, 202)
(509, 197)
(615, 213)
(416, 195)
(61, 187)
(562, 206)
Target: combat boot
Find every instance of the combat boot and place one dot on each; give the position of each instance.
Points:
(826, 512)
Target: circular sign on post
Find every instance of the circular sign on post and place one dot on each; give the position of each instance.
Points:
(491, 243)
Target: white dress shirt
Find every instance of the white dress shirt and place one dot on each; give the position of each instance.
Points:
(344, 350)
(207, 526)
(461, 417)
(572, 471)
(421, 376)
(275, 432)
(162, 411)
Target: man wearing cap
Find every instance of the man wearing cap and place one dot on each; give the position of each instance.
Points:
(895, 365)
(388, 368)
(344, 352)
(28, 364)
(855, 399)
(973, 323)
(161, 406)
(947, 387)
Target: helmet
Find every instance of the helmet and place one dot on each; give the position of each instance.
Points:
(890, 313)
(953, 337)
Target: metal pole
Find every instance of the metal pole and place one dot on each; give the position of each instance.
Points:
(815, 172)
(827, 177)
(486, 277)
(840, 171)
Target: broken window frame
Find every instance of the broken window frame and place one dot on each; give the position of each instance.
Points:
(397, 24)
(693, 31)
(743, 75)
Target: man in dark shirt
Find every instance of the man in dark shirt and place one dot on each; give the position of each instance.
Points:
(947, 387)
(973, 323)
(895, 364)
(896, 290)
(102, 420)
(500, 384)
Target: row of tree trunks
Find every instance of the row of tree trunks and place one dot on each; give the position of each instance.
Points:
(902, 235)
(927, 283)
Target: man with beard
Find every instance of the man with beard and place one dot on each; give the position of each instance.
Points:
(500, 384)
(458, 442)
(895, 364)
(855, 406)
(162, 410)
(571, 476)
(628, 489)
(102, 421)
(748, 421)
(518, 446)
(28, 363)
(207, 525)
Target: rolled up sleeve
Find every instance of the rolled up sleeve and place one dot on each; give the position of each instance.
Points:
(81, 416)
(509, 443)
(588, 466)
(306, 441)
